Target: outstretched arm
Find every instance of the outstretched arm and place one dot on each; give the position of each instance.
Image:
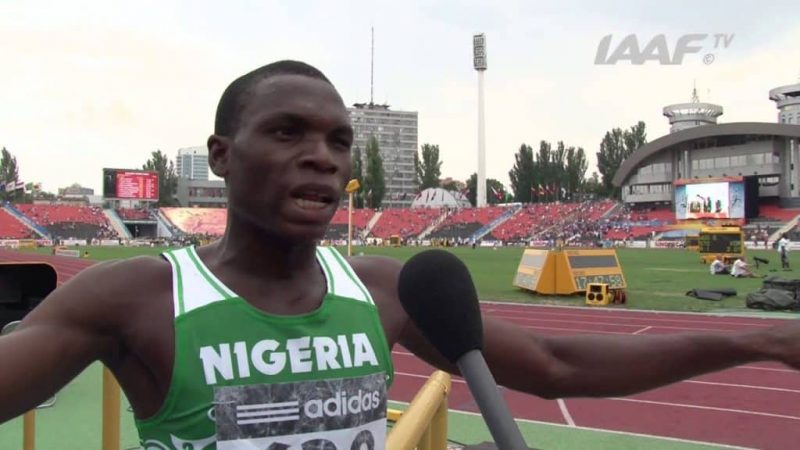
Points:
(56, 341)
(583, 365)
(603, 366)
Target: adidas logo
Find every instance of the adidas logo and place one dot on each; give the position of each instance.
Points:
(342, 405)
(338, 406)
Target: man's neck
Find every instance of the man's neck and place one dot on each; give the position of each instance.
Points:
(247, 248)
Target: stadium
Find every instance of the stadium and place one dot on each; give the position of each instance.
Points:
(744, 174)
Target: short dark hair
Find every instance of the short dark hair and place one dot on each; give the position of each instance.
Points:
(231, 105)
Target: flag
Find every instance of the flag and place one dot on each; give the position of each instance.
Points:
(498, 195)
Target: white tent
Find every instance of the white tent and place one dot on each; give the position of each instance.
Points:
(439, 198)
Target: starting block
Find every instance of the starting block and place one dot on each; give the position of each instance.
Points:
(568, 272)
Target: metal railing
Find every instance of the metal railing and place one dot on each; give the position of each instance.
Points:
(423, 425)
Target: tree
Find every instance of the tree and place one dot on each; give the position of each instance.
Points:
(615, 147)
(374, 185)
(358, 174)
(495, 191)
(522, 174)
(575, 169)
(167, 178)
(9, 173)
(417, 172)
(429, 168)
(453, 185)
(634, 138)
(593, 184)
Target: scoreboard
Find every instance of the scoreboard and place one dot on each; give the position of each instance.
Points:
(720, 243)
(726, 241)
(595, 266)
(130, 184)
(568, 271)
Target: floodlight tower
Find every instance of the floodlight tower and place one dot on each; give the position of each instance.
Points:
(479, 62)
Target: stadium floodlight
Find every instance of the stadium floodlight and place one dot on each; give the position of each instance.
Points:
(479, 62)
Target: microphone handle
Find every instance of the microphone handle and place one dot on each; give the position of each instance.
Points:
(495, 412)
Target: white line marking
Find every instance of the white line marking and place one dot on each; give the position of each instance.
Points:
(415, 375)
(598, 312)
(272, 420)
(708, 408)
(769, 369)
(591, 322)
(710, 383)
(642, 330)
(745, 386)
(602, 430)
(262, 414)
(576, 330)
(267, 405)
(565, 412)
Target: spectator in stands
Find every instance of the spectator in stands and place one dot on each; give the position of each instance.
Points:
(718, 267)
(783, 250)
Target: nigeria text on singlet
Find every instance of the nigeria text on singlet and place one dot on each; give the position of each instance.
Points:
(243, 378)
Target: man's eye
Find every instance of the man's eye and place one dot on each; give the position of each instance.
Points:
(285, 133)
(343, 144)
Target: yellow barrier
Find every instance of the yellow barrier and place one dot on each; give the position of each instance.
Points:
(29, 430)
(110, 411)
(423, 425)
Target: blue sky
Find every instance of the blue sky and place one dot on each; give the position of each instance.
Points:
(86, 85)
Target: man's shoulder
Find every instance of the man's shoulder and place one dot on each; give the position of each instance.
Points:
(124, 278)
(376, 271)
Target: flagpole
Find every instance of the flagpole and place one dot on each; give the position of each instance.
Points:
(350, 225)
(351, 188)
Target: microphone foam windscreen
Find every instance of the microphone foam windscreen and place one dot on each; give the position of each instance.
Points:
(437, 292)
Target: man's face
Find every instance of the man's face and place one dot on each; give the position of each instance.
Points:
(289, 161)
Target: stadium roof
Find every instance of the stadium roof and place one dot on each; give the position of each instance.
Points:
(700, 132)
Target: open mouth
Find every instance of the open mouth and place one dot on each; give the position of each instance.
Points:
(312, 200)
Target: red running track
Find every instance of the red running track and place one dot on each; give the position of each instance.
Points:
(756, 405)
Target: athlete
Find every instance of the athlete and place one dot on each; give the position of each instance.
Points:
(264, 340)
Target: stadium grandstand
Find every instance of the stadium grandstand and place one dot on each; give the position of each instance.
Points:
(697, 147)
(69, 221)
(338, 227)
(762, 158)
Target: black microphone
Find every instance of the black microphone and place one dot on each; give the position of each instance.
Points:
(437, 292)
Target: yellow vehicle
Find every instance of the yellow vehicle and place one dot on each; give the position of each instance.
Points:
(725, 241)
(691, 243)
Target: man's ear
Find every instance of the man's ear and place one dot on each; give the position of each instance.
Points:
(219, 148)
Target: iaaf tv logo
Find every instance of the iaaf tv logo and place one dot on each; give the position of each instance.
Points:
(658, 48)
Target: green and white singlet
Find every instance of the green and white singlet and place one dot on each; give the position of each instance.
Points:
(246, 379)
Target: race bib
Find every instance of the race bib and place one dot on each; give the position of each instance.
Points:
(337, 414)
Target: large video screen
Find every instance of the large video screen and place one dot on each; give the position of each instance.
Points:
(130, 184)
(711, 200)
